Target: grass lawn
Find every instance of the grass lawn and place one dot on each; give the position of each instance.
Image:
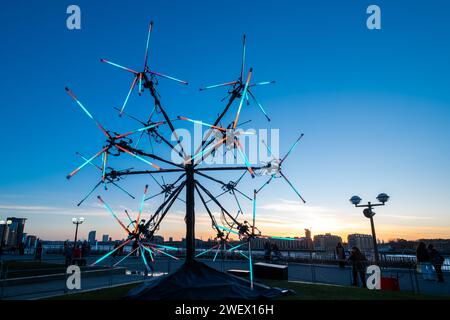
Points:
(304, 291)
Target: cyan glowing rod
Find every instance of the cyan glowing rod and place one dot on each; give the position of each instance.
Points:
(293, 146)
(108, 208)
(136, 156)
(205, 251)
(140, 83)
(150, 27)
(268, 148)
(227, 229)
(244, 157)
(217, 252)
(143, 256)
(118, 66)
(243, 58)
(259, 105)
(133, 251)
(149, 251)
(235, 247)
(242, 98)
(129, 218)
(201, 153)
(105, 159)
(128, 95)
(109, 180)
(87, 112)
(140, 130)
(202, 123)
(111, 252)
(219, 85)
(283, 238)
(168, 77)
(262, 83)
(164, 246)
(86, 162)
(79, 103)
(165, 253)
(141, 208)
(244, 255)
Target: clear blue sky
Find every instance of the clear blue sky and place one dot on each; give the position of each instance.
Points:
(374, 105)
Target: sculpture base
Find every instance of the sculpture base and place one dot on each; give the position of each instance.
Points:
(196, 281)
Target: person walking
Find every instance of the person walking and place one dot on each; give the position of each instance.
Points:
(38, 252)
(424, 262)
(358, 260)
(340, 254)
(437, 260)
(67, 253)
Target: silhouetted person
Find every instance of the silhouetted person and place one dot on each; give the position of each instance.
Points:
(358, 260)
(437, 261)
(114, 254)
(134, 246)
(267, 251)
(424, 261)
(67, 251)
(340, 254)
(2, 245)
(38, 252)
(276, 252)
(84, 249)
(21, 248)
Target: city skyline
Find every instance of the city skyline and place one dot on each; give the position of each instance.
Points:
(371, 124)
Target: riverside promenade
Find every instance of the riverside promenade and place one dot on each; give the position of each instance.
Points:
(130, 271)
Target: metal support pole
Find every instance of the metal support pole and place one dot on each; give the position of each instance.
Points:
(76, 234)
(374, 238)
(190, 213)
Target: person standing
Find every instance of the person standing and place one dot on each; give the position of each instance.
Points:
(423, 261)
(437, 260)
(358, 260)
(340, 254)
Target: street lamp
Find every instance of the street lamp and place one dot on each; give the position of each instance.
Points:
(77, 222)
(4, 225)
(369, 213)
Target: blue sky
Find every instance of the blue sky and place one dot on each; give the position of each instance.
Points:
(374, 105)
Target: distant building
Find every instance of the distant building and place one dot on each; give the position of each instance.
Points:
(308, 233)
(91, 237)
(297, 244)
(158, 239)
(30, 241)
(12, 234)
(326, 242)
(105, 238)
(363, 242)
